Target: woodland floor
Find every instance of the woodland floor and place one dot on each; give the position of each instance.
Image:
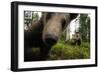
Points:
(67, 51)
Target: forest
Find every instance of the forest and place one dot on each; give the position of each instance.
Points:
(67, 47)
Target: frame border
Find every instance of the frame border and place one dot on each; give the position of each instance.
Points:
(14, 35)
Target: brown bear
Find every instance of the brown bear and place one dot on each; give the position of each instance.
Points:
(44, 33)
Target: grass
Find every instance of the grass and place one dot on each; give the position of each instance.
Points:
(63, 50)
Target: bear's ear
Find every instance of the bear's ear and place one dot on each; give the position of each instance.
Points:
(73, 15)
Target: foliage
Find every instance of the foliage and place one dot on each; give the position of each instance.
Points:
(85, 27)
(35, 16)
(67, 51)
(62, 51)
(63, 36)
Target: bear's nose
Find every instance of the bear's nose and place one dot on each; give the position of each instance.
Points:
(50, 39)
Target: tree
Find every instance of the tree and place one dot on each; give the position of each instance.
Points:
(35, 16)
(88, 28)
(84, 27)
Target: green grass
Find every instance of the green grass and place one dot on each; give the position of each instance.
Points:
(63, 50)
(66, 51)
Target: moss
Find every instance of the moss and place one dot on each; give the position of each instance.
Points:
(67, 51)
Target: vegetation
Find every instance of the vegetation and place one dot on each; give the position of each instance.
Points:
(85, 27)
(35, 16)
(62, 51)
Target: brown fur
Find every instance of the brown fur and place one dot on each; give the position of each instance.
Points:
(44, 34)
